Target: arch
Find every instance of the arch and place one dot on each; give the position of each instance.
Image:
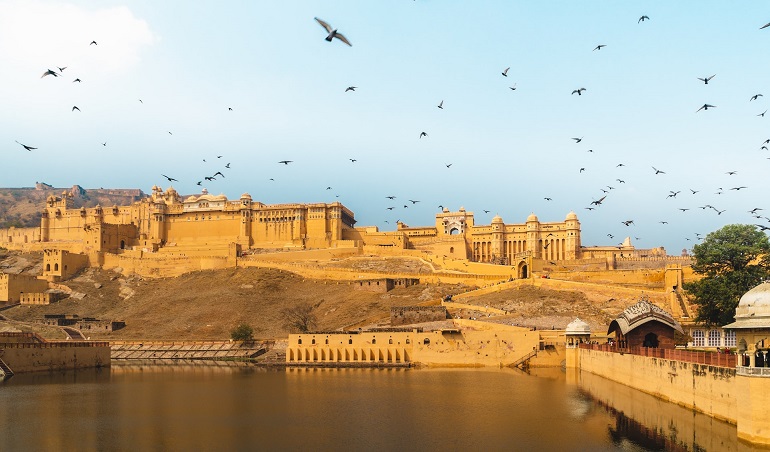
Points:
(122, 244)
(650, 340)
(451, 250)
(454, 231)
(291, 354)
(56, 267)
(522, 271)
(426, 341)
(48, 267)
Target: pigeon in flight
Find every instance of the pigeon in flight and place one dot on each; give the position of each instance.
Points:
(350, 88)
(657, 171)
(513, 88)
(93, 43)
(599, 47)
(75, 108)
(642, 19)
(579, 91)
(706, 79)
(765, 25)
(441, 105)
(423, 134)
(285, 162)
(353, 160)
(578, 140)
(170, 179)
(49, 72)
(705, 107)
(29, 148)
(755, 96)
(505, 72)
(333, 33)
(762, 114)
(77, 80)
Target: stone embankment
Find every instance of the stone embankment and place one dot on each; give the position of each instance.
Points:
(188, 350)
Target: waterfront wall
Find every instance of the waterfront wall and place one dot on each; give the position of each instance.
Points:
(705, 388)
(51, 356)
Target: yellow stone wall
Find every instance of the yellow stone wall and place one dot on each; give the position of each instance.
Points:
(61, 264)
(12, 286)
(708, 389)
(753, 399)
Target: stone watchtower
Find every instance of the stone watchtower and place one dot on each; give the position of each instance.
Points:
(572, 241)
(533, 234)
(498, 237)
(244, 236)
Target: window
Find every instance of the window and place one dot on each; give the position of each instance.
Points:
(714, 337)
(698, 338)
(730, 338)
(299, 341)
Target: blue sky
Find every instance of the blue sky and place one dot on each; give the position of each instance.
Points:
(189, 61)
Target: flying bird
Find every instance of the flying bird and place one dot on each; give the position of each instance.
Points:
(705, 107)
(505, 72)
(448, 165)
(333, 33)
(765, 25)
(548, 199)
(762, 114)
(642, 19)
(93, 43)
(353, 160)
(657, 171)
(578, 140)
(77, 80)
(579, 91)
(754, 97)
(391, 197)
(227, 166)
(49, 72)
(350, 88)
(219, 173)
(628, 222)
(413, 201)
(285, 162)
(75, 108)
(29, 148)
(441, 105)
(513, 88)
(582, 169)
(730, 173)
(598, 201)
(423, 134)
(170, 179)
(61, 69)
(599, 47)
(706, 79)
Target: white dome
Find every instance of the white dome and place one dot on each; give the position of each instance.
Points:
(753, 310)
(578, 327)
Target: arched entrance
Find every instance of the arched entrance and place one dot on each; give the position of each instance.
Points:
(522, 271)
(122, 244)
(650, 340)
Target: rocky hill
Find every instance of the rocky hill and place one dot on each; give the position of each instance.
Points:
(21, 207)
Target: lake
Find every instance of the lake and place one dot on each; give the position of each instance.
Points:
(189, 407)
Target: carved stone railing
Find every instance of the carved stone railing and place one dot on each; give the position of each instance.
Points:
(753, 371)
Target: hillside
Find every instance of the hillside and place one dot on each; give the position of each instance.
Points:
(21, 207)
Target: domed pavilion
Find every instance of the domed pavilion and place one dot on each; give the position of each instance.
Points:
(752, 329)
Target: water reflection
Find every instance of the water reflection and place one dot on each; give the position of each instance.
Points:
(146, 406)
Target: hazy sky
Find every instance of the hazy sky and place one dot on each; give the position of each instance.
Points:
(190, 61)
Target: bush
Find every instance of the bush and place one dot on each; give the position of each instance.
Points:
(242, 332)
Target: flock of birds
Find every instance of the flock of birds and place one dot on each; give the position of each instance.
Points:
(333, 34)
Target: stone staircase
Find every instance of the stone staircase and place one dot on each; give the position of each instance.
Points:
(5, 371)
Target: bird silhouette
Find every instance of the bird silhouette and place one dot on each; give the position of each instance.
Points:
(390, 208)
(582, 169)
(599, 47)
(170, 179)
(628, 222)
(694, 191)
(29, 148)
(706, 80)
(657, 171)
(683, 210)
(505, 72)
(448, 165)
(730, 173)
(391, 197)
(579, 91)
(333, 33)
(548, 199)
(423, 134)
(578, 140)
(620, 181)
(663, 222)
(285, 162)
(413, 201)
(513, 88)
(705, 107)
(75, 108)
(642, 19)
(219, 173)
(762, 114)
(199, 182)
(619, 165)
(227, 166)
(93, 43)
(350, 88)
(754, 97)
(441, 105)
(49, 72)
(486, 211)
(229, 108)
(598, 202)
(328, 188)
(104, 144)
(765, 25)
(353, 160)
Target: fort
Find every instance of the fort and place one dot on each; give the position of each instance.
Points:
(168, 235)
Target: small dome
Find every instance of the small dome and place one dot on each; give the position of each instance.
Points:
(462, 209)
(191, 199)
(753, 309)
(578, 327)
(532, 217)
(497, 219)
(245, 196)
(446, 210)
(571, 216)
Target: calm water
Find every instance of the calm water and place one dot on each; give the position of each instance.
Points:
(229, 408)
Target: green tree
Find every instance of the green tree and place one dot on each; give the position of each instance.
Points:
(733, 260)
(242, 332)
